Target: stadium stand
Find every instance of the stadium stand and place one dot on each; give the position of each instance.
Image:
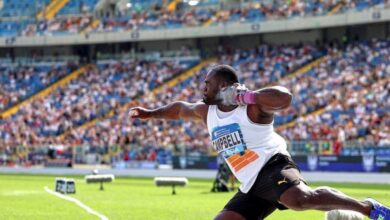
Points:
(76, 7)
(360, 71)
(341, 91)
(22, 8)
(354, 95)
(20, 82)
(71, 70)
(74, 16)
(135, 137)
(137, 134)
(88, 96)
(351, 74)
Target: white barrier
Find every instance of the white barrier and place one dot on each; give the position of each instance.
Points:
(100, 178)
(171, 181)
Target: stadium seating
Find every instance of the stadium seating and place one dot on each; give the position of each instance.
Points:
(141, 140)
(333, 77)
(20, 82)
(76, 7)
(199, 16)
(90, 95)
(343, 100)
(77, 14)
(20, 8)
(355, 93)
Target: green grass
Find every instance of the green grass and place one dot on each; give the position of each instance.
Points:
(24, 197)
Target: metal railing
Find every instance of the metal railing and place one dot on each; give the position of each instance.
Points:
(331, 147)
(41, 60)
(163, 55)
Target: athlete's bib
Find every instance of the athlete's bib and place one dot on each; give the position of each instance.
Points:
(229, 142)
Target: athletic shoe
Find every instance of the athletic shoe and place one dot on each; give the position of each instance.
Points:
(338, 214)
(379, 211)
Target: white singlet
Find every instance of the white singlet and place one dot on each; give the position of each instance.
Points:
(246, 146)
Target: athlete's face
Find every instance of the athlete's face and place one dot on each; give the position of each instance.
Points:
(211, 87)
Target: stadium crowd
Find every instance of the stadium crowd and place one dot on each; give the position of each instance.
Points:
(317, 87)
(59, 25)
(351, 87)
(271, 63)
(157, 16)
(90, 95)
(336, 83)
(104, 88)
(19, 82)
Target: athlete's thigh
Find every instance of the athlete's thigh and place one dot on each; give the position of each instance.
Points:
(279, 174)
(247, 206)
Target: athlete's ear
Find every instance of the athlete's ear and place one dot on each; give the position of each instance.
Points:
(223, 84)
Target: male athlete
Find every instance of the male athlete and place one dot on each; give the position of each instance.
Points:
(240, 124)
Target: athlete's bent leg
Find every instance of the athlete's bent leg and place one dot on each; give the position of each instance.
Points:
(232, 215)
(301, 197)
(246, 206)
(229, 215)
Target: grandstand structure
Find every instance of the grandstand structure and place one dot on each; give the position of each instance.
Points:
(70, 70)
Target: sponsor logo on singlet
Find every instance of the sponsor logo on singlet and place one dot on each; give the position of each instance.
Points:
(228, 141)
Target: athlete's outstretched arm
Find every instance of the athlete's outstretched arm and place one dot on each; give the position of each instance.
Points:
(174, 110)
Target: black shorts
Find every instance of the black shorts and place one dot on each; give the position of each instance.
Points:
(277, 175)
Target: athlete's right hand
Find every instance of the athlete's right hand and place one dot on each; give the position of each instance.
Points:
(232, 95)
(139, 112)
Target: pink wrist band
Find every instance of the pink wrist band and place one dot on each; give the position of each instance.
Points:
(249, 97)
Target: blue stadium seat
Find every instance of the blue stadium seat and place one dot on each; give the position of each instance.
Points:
(74, 7)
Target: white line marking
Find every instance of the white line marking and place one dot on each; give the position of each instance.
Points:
(77, 202)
